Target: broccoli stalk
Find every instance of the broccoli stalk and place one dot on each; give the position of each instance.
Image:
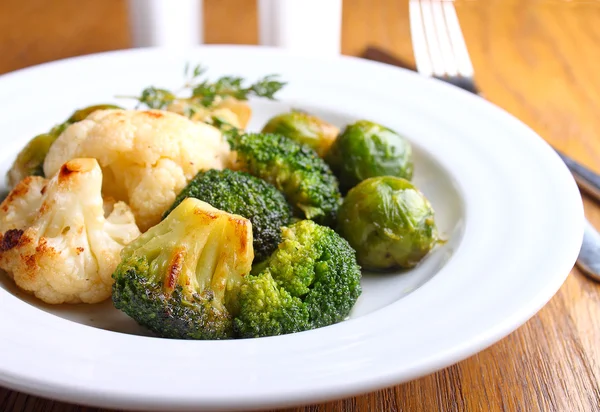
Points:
(312, 280)
(182, 277)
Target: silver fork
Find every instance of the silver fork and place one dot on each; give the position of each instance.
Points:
(441, 52)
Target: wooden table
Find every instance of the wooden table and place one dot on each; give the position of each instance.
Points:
(538, 60)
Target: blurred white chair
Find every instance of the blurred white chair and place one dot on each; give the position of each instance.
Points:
(305, 26)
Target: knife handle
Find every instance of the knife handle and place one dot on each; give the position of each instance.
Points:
(587, 180)
(588, 260)
(378, 55)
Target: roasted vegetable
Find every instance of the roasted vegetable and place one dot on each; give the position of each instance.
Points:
(388, 222)
(182, 277)
(55, 240)
(147, 156)
(367, 149)
(304, 128)
(30, 160)
(81, 114)
(245, 195)
(312, 280)
(294, 169)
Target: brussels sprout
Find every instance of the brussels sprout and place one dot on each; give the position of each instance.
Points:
(240, 109)
(81, 114)
(30, 160)
(304, 128)
(366, 149)
(388, 222)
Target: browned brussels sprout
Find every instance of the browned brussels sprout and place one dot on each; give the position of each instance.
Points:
(304, 128)
(388, 222)
(366, 149)
(30, 160)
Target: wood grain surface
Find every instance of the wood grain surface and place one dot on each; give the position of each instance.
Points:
(539, 60)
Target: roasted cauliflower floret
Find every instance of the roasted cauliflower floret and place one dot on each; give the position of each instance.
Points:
(55, 240)
(181, 278)
(147, 157)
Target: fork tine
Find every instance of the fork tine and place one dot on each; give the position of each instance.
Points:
(431, 38)
(443, 38)
(461, 54)
(417, 33)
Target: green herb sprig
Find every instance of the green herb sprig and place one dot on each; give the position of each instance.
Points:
(204, 93)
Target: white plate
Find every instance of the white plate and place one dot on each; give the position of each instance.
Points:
(508, 205)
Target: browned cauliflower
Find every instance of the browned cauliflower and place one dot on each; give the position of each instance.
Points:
(55, 240)
(147, 157)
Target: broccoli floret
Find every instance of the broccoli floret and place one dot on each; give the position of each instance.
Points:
(181, 278)
(245, 195)
(295, 169)
(312, 280)
(269, 310)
